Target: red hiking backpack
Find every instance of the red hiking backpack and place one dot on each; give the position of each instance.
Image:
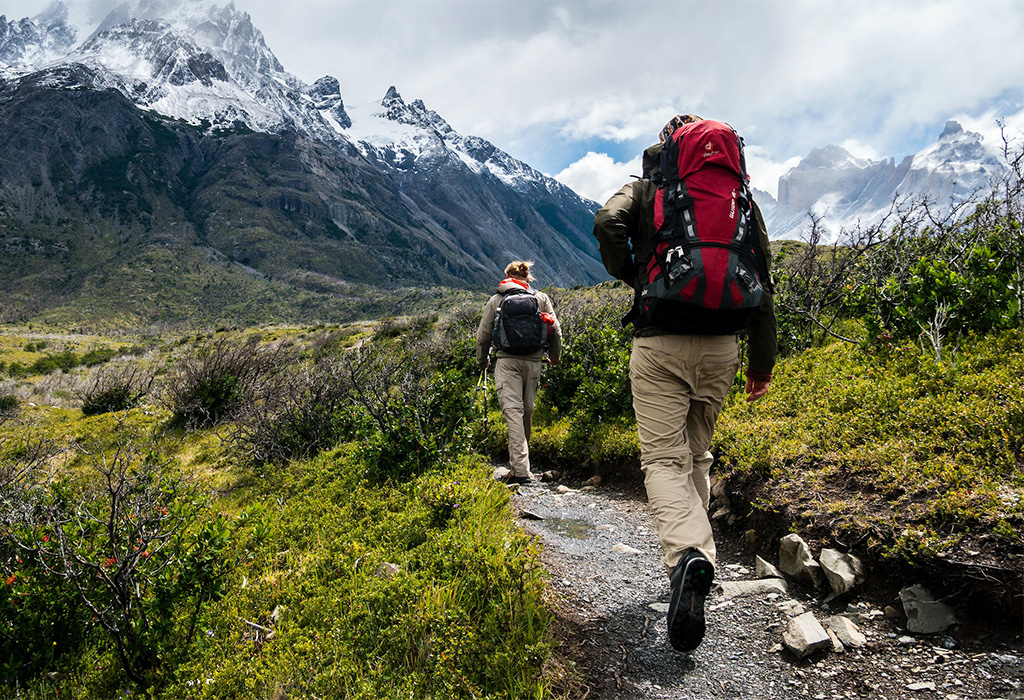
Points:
(707, 271)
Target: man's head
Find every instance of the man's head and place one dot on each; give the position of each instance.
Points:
(519, 270)
(676, 122)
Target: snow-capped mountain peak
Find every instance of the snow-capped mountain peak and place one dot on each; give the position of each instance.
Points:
(847, 191)
(150, 51)
(45, 37)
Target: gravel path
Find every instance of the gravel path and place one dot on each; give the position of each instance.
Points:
(612, 595)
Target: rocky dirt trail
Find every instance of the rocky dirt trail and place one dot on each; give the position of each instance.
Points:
(611, 596)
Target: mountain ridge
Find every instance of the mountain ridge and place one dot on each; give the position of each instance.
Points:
(270, 175)
(846, 191)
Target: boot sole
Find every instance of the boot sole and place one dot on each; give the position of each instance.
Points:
(687, 626)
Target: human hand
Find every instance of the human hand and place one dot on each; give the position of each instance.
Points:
(756, 389)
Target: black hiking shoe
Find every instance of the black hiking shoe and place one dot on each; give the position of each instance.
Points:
(691, 583)
(517, 480)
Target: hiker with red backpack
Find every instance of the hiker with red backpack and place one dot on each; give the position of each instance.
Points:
(690, 240)
(519, 323)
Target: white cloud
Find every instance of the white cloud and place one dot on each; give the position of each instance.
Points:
(764, 171)
(597, 176)
(882, 75)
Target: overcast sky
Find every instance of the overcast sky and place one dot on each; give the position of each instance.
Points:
(577, 88)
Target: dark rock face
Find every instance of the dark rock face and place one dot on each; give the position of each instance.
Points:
(171, 130)
(91, 188)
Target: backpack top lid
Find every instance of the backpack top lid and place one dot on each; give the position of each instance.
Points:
(695, 145)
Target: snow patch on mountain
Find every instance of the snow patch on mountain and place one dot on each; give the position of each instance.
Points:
(845, 191)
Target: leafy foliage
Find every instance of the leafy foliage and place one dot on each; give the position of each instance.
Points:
(132, 549)
(882, 441)
(364, 590)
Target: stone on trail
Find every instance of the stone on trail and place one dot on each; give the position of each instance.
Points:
(837, 645)
(624, 549)
(530, 515)
(764, 569)
(792, 608)
(736, 589)
(795, 559)
(843, 571)
(926, 685)
(804, 635)
(847, 631)
(925, 615)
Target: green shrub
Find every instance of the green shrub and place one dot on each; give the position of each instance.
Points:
(592, 379)
(126, 550)
(8, 405)
(907, 440)
(117, 389)
(213, 384)
(98, 356)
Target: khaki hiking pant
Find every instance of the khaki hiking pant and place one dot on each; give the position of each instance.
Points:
(679, 385)
(516, 384)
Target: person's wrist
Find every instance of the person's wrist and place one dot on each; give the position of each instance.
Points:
(755, 376)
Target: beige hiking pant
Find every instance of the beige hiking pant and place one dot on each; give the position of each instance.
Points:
(679, 385)
(516, 384)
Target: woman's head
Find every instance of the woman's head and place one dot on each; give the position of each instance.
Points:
(520, 270)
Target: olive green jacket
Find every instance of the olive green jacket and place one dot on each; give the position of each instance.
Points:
(624, 228)
(486, 327)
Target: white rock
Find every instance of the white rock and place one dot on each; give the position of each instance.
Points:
(843, 571)
(736, 589)
(388, 570)
(796, 560)
(791, 607)
(837, 645)
(928, 685)
(764, 569)
(847, 631)
(804, 635)
(624, 549)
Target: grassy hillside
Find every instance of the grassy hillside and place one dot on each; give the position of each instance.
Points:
(307, 511)
(383, 566)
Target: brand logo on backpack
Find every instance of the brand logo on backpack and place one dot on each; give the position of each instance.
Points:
(518, 326)
(705, 274)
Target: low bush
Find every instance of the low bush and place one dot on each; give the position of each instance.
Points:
(301, 413)
(213, 384)
(117, 389)
(8, 405)
(126, 547)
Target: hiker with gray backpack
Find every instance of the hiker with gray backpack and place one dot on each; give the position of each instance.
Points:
(691, 242)
(519, 323)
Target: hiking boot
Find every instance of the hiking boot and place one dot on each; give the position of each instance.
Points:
(517, 480)
(690, 584)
